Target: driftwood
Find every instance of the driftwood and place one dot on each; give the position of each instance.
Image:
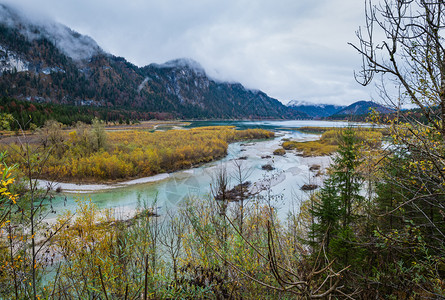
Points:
(309, 187)
(314, 168)
(239, 192)
(267, 167)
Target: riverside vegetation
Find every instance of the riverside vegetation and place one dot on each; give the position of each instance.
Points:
(356, 237)
(89, 153)
(375, 230)
(328, 142)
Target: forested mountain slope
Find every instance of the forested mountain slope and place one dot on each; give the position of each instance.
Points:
(48, 62)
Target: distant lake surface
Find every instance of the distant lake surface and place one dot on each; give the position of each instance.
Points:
(169, 191)
(276, 125)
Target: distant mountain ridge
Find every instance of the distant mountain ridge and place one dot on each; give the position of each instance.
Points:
(315, 111)
(329, 111)
(48, 62)
(362, 108)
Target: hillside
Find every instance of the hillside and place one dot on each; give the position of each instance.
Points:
(48, 62)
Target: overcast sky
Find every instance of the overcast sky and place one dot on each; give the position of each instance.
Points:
(290, 49)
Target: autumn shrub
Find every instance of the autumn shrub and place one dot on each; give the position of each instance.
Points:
(314, 129)
(279, 151)
(7, 202)
(328, 142)
(315, 148)
(371, 138)
(90, 154)
(94, 252)
(202, 250)
(288, 145)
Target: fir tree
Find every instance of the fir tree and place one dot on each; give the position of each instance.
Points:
(345, 176)
(327, 214)
(333, 213)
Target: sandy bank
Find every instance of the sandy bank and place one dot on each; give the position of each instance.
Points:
(305, 163)
(87, 188)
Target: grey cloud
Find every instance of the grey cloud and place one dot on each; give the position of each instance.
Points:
(71, 43)
(289, 49)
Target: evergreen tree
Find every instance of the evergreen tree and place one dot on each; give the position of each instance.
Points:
(327, 214)
(345, 175)
(333, 213)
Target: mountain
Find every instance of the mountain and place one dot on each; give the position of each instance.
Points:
(315, 111)
(187, 81)
(41, 61)
(361, 108)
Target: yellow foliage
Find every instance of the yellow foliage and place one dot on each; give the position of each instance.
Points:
(328, 142)
(6, 181)
(279, 151)
(138, 153)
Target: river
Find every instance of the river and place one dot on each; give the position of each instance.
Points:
(290, 173)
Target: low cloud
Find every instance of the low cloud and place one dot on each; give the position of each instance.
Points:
(71, 43)
(289, 49)
(141, 86)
